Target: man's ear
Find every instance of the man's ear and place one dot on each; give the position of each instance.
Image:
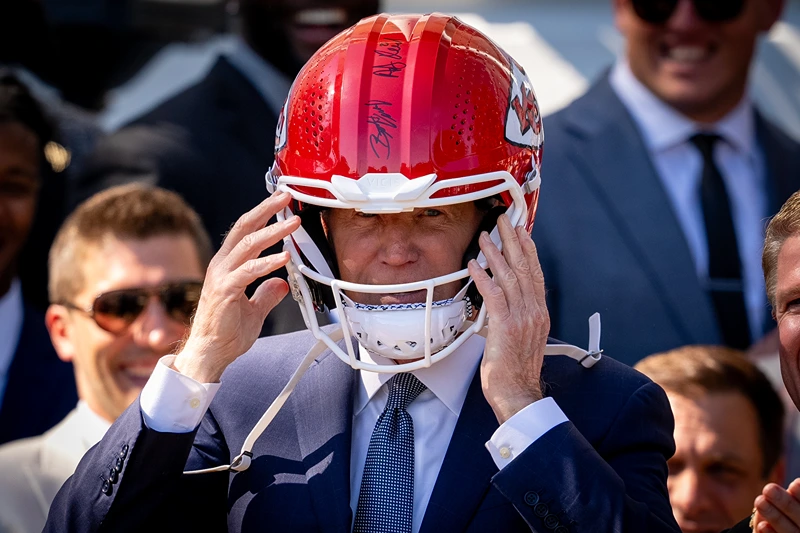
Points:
(59, 325)
(622, 10)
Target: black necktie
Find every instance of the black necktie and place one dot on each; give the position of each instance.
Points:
(724, 266)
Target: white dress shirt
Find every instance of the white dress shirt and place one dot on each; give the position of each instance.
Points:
(11, 315)
(679, 164)
(171, 402)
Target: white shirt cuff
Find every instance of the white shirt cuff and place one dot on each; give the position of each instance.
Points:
(172, 402)
(523, 429)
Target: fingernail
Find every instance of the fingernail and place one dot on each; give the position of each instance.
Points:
(484, 235)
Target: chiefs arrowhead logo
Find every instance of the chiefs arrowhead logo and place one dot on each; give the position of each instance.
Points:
(523, 122)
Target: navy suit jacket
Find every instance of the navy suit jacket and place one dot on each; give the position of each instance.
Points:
(604, 470)
(213, 144)
(609, 240)
(40, 389)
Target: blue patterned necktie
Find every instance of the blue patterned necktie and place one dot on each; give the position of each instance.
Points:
(386, 498)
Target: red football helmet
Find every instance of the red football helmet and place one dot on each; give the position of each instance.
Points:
(396, 113)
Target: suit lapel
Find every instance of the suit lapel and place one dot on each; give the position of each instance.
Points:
(623, 175)
(323, 410)
(467, 470)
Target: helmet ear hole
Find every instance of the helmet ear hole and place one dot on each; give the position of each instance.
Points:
(310, 219)
(473, 250)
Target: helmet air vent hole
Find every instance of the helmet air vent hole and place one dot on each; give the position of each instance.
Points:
(412, 344)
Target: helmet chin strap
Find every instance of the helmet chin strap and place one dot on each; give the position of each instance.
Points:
(241, 462)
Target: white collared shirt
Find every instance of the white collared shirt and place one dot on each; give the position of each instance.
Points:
(93, 426)
(679, 164)
(174, 403)
(11, 316)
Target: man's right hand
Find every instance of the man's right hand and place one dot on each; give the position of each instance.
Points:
(227, 322)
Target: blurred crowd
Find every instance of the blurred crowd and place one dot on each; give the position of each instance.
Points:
(656, 188)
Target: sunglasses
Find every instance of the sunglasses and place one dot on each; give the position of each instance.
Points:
(659, 11)
(115, 311)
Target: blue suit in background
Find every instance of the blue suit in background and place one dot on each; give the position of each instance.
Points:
(608, 238)
(604, 470)
(40, 389)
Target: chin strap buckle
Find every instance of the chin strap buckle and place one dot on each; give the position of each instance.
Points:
(242, 462)
(585, 358)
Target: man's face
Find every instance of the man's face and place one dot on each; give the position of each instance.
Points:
(111, 369)
(787, 314)
(305, 25)
(716, 471)
(19, 188)
(699, 68)
(402, 248)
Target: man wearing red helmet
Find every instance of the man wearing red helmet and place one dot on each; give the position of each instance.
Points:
(408, 156)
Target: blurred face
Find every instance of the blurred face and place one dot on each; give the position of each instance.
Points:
(112, 369)
(401, 248)
(787, 314)
(699, 68)
(716, 471)
(19, 188)
(305, 25)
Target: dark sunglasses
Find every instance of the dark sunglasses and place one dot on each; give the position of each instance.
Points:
(659, 11)
(115, 311)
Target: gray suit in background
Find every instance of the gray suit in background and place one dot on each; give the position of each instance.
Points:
(608, 238)
(33, 470)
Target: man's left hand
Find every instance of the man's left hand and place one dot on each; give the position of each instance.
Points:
(778, 509)
(518, 320)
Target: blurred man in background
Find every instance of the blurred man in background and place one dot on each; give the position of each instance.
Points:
(36, 389)
(728, 433)
(663, 173)
(126, 271)
(208, 142)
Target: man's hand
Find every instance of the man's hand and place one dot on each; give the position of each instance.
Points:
(227, 322)
(778, 509)
(518, 318)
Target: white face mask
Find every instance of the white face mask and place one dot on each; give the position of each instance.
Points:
(420, 333)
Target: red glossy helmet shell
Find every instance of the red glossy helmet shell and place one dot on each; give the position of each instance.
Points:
(415, 95)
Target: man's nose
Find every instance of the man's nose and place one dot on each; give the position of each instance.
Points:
(685, 17)
(687, 494)
(155, 329)
(398, 245)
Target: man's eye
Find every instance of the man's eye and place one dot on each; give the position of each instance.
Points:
(431, 212)
(359, 214)
(18, 188)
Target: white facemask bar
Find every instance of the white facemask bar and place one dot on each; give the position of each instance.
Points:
(385, 193)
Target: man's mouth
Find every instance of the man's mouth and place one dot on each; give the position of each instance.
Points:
(317, 26)
(137, 374)
(322, 16)
(687, 54)
(404, 297)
